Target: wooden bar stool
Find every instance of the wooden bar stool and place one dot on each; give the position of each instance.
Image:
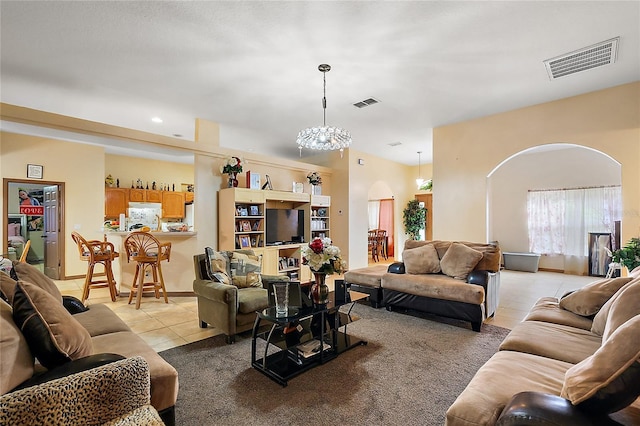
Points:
(97, 252)
(148, 253)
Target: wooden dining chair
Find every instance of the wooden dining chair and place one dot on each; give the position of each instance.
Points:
(148, 253)
(381, 241)
(97, 252)
(25, 251)
(373, 244)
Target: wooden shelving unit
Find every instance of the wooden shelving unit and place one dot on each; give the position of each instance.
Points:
(320, 218)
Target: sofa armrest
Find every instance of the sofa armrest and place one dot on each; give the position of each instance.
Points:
(216, 291)
(537, 408)
(73, 305)
(479, 278)
(95, 396)
(396, 268)
(273, 279)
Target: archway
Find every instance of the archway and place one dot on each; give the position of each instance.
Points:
(553, 166)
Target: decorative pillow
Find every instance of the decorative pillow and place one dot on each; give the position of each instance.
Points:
(459, 261)
(600, 319)
(219, 262)
(31, 274)
(53, 335)
(588, 300)
(7, 287)
(245, 270)
(14, 230)
(421, 260)
(625, 307)
(16, 361)
(608, 380)
(635, 273)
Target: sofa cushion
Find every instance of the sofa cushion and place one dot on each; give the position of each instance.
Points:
(421, 260)
(588, 300)
(459, 261)
(99, 319)
(31, 274)
(252, 299)
(245, 270)
(437, 286)
(600, 319)
(16, 361)
(370, 276)
(547, 309)
(7, 287)
(609, 380)
(625, 307)
(53, 335)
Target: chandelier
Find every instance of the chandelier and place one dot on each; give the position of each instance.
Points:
(327, 138)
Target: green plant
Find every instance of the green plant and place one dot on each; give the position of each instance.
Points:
(427, 185)
(414, 218)
(628, 255)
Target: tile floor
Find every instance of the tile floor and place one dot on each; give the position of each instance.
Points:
(164, 326)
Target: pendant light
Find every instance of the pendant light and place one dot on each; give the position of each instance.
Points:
(419, 180)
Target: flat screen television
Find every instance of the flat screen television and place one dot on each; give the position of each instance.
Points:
(284, 226)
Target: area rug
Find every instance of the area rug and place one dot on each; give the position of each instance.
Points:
(412, 369)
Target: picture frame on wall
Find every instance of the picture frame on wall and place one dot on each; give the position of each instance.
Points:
(34, 171)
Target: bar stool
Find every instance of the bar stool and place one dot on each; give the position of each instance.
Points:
(148, 253)
(97, 252)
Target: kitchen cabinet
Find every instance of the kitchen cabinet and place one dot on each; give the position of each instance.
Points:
(153, 196)
(116, 202)
(172, 204)
(137, 195)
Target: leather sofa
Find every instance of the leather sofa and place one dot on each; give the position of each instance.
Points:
(458, 280)
(116, 393)
(221, 303)
(571, 361)
(37, 322)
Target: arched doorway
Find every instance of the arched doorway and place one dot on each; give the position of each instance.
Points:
(381, 209)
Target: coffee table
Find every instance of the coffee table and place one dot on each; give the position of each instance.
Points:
(292, 342)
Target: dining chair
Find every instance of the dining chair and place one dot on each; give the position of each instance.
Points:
(96, 252)
(373, 244)
(148, 253)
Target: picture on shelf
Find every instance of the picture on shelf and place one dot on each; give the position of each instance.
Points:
(245, 226)
(255, 211)
(256, 225)
(253, 180)
(245, 241)
(254, 241)
(242, 211)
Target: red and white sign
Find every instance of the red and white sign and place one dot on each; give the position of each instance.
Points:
(32, 210)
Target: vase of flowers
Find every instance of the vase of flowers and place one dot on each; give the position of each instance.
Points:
(323, 259)
(316, 181)
(232, 166)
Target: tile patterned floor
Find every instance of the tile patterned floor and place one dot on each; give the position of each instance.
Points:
(164, 326)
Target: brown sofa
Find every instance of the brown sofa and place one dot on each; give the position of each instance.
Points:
(572, 361)
(60, 332)
(459, 280)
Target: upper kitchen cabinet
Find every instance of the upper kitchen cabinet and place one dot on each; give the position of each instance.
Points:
(139, 195)
(173, 204)
(116, 201)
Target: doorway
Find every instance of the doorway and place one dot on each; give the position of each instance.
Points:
(33, 211)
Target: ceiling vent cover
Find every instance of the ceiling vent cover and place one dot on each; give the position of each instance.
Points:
(366, 102)
(603, 53)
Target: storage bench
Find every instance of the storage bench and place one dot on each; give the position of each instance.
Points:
(367, 280)
(526, 262)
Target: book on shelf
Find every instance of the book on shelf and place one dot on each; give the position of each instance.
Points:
(311, 348)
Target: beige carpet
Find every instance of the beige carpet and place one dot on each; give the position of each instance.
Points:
(409, 374)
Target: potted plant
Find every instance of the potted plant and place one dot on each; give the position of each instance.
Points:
(414, 217)
(628, 255)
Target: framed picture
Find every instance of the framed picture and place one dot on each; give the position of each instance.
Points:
(244, 211)
(253, 180)
(256, 225)
(298, 187)
(254, 210)
(245, 241)
(245, 225)
(34, 171)
(267, 183)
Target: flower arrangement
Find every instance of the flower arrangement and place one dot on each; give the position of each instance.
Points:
(323, 257)
(314, 178)
(232, 165)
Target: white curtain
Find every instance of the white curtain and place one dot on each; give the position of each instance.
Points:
(560, 221)
(374, 214)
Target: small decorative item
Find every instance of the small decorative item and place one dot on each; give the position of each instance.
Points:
(253, 180)
(232, 166)
(267, 183)
(315, 180)
(298, 187)
(109, 181)
(323, 259)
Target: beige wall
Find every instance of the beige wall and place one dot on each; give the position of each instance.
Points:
(465, 153)
(130, 169)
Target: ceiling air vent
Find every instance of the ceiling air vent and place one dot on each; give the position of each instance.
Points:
(366, 102)
(603, 53)
(394, 143)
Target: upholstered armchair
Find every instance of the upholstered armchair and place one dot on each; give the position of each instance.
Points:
(117, 393)
(228, 307)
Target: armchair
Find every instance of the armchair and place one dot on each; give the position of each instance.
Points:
(225, 306)
(117, 393)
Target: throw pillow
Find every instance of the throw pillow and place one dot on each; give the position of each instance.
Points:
(459, 261)
(53, 335)
(625, 307)
(219, 263)
(608, 380)
(588, 300)
(245, 270)
(16, 361)
(421, 260)
(31, 274)
(7, 287)
(600, 319)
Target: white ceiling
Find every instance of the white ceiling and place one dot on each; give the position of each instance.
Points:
(252, 66)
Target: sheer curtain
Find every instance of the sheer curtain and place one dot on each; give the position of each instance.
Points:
(374, 214)
(559, 221)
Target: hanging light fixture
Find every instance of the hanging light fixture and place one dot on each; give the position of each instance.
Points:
(419, 180)
(325, 138)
